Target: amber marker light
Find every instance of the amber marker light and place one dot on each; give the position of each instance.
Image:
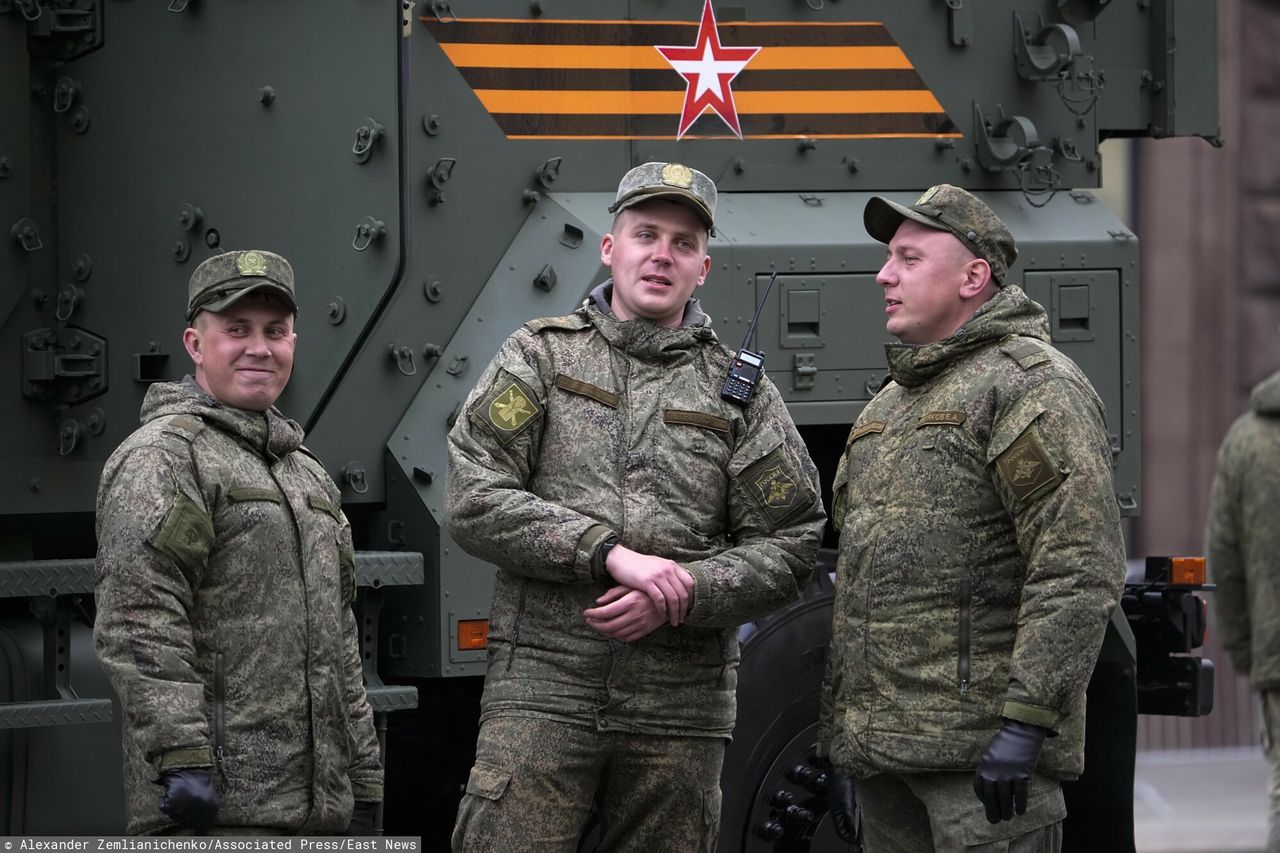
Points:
(473, 634)
(1187, 571)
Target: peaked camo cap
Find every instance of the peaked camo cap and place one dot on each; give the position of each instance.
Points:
(951, 209)
(219, 281)
(674, 181)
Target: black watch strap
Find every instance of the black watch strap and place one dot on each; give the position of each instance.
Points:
(606, 546)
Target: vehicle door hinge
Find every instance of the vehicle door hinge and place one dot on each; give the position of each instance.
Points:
(63, 365)
(60, 29)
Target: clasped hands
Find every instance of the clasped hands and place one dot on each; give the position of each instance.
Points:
(651, 591)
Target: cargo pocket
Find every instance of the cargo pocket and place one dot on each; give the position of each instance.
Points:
(711, 798)
(1027, 833)
(485, 787)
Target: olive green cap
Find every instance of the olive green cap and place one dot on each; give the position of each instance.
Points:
(673, 181)
(951, 209)
(219, 281)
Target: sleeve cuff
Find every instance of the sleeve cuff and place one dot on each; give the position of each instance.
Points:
(701, 605)
(588, 564)
(1046, 718)
(189, 756)
(366, 792)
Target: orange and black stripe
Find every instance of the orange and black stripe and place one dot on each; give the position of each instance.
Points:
(605, 79)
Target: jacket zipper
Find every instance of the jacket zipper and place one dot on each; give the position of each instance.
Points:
(219, 711)
(515, 628)
(963, 667)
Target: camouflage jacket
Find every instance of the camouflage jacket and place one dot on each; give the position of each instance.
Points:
(980, 552)
(225, 577)
(1244, 539)
(583, 426)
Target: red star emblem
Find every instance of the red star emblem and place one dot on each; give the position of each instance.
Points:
(708, 68)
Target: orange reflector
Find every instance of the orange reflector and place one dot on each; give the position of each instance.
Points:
(473, 634)
(1186, 571)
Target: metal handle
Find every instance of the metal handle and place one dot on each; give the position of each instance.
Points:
(368, 231)
(366, 135)
(403, 357)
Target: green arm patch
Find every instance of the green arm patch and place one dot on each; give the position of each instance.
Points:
(185, 534)
(1026, 467)
(773, 486)
(509, 407)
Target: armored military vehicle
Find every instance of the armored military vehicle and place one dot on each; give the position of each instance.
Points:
(438, 174)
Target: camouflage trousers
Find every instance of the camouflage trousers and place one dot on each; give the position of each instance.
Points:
(922, 812)
(1271, 747)
(534, 781)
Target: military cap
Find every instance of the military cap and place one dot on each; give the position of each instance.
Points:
(951, 209)
(221, 280)
(672, 181)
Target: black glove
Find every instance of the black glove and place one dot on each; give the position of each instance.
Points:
(189, 797)
(363, 818)
(840, 795)
(1005, 769)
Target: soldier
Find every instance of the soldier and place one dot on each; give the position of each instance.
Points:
(980, 552)
(636, 519)
(1243, 540)
(225, 577)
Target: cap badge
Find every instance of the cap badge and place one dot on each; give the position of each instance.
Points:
(677, 175)
(928, 194)
(251, 263)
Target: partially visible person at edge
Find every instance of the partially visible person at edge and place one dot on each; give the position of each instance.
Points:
(980, 553)
(225, 579)
(1244, 561)
(637, 519)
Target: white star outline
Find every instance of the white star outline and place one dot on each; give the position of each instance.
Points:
(708, 69)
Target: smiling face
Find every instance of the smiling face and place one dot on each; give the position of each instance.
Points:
(932, 284)
(657, 252)
(243, 356)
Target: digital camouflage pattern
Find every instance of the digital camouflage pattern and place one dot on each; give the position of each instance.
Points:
(980, 552)
(673, 181)
(225, 576)
(956, 211)
(534, 781)
(583, 426)
(1244, 539)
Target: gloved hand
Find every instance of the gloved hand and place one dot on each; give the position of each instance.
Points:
(189, 797)
(1005, 769)
(840, 795)
(363, 818)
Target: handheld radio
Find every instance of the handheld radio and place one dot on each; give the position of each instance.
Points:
(748, 366)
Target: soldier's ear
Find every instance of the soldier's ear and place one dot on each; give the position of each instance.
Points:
(191, 341)
(977, 274)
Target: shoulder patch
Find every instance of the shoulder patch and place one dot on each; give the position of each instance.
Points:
(1028, 353)
(509, 407)
(772, 485)
(1026, 467)
(567, 322)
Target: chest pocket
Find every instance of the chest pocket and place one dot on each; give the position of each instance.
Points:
(696, 453)
(942, 438)
(327, 517)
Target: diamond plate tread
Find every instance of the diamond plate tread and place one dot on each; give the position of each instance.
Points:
(23, 578)
(393, 698)
(57, 712)
(388, 568)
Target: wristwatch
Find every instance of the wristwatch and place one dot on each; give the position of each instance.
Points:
(605, 547)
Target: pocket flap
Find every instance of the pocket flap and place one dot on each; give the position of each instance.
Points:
(1045, 806)
(487, 782)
